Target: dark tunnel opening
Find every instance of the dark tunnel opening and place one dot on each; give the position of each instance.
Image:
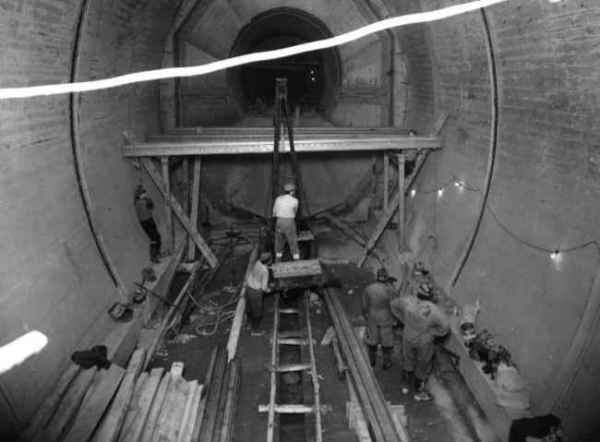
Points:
(313, 78)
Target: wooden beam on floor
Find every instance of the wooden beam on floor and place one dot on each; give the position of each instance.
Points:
(113, 421)
(195, 204)
(178, 210)
(95, 403)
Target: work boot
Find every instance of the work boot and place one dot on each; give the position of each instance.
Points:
(421, 393)
(372, 355)
(406, 381)
(387, 357)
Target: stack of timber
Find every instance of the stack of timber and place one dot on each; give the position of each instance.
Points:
(117, 404)
(370, 397)
(223, 382)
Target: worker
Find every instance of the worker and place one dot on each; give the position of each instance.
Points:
(257, 284)
(376, 308)
(284, 210)
(423, 321)
(143, 209)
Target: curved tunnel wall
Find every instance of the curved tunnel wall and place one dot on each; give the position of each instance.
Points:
(52, 278)
(545, 188)
(544, 191)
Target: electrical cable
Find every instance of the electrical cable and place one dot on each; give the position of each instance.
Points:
(547, 250)
(191, 71)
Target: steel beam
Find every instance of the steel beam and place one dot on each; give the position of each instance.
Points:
(223, 145)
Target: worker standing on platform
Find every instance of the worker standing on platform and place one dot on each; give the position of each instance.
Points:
(284, 210)
(257, 284)
(376, 308)
(143, 209)
(423, 321)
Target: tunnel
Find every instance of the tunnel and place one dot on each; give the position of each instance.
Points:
(313, 78)
(503, 213)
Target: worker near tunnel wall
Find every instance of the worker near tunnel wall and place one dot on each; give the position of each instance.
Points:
(423, 322)
(257, 284)
(376, 299)
(143, 208)
(284, 210)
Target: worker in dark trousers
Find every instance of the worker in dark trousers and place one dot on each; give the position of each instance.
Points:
(376, 308)
(143, 209)
(285, 208)
(257, 284)
(423, 321)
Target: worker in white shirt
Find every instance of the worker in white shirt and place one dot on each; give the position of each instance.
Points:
(284, 210)
(257, 284)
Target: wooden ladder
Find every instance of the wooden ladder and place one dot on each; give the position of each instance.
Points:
(281, 338)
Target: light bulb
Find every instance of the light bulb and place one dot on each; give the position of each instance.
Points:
(440, 192)
(413, 192)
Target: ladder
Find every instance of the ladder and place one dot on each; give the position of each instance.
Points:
(281, 338)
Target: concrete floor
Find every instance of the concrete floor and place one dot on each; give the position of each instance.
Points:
(453, 415)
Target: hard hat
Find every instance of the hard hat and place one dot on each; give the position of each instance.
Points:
(382, 274)
(288, 187)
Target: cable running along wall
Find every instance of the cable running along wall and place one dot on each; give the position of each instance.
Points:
(492, 152)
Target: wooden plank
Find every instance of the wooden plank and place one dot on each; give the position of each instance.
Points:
(368, 389)
(186, 193)
(231, 396)
(291, 269)
(162, 287)
(185, 221)
(199, 418)
(134, 406)
(171, 416)
(386, 180)
(95, 403)
(195, 204)
(187, 428)
(401, 202)
(209, 422)
(379, 229)
(112, 422)
(133, 431)
(167, 318)
(170, 232)
(238, 319)
(265, 146)
(50, 404)
(157, 405)
(68, 407)
(192, 388)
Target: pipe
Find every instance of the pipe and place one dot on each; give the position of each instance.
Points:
(492, 152)
(78, 163)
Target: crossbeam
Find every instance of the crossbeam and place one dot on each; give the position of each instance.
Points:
(223, 145)
(179, 213)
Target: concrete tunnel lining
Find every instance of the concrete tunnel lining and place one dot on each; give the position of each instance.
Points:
(546, 169)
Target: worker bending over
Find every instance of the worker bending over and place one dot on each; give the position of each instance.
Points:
(143, 209)
(257, 284)
(423, 321)
(284, 210)
(376, 308)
